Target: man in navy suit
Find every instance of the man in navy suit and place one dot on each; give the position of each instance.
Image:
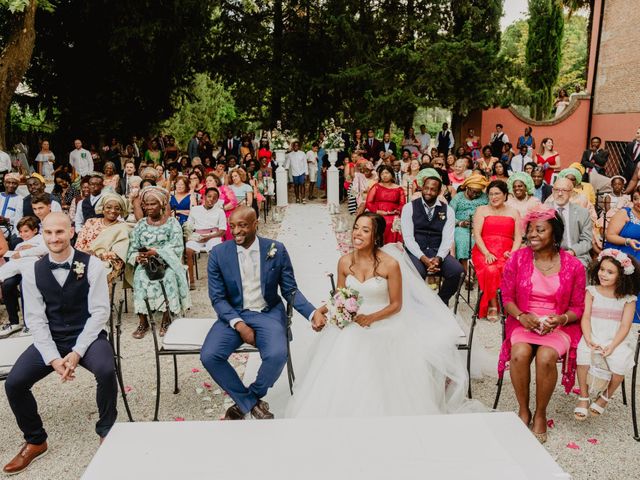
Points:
(243, 286)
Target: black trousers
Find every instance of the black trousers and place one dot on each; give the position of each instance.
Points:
(451, 271)
(10, 296)
(30, 368)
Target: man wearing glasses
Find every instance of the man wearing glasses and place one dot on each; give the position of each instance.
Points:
(578, 232)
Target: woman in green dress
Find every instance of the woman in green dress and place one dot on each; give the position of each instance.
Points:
(157, 235)
(464, 204)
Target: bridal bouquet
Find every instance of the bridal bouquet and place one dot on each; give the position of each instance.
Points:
(343, 306)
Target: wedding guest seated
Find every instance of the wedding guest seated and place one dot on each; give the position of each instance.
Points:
(67, 313)
(614, 200)
(496, 231)
(157, 235)
(111, 179)
(387, 199)
(581, 186)
(578, 229)
(87, 207)
(428, 231)
(35, 185)
(10, 202)
(208, 224)
(107, 237)
(464, 206)
(63, 190)
(543, 292)
(182, 200)
(542, 190)
(521, 196)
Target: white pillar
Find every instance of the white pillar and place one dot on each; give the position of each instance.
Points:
(281, 180)
(333, 192)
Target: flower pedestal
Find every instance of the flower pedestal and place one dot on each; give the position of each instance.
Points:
(333, 192)
(282, 199)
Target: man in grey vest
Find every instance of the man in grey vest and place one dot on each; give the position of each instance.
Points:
(427, 230)
(67, 312)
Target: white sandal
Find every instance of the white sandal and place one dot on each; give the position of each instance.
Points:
(597, 410)
(581, 413)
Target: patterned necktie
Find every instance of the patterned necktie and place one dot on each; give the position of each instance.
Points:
(430, 212)
(636, 150)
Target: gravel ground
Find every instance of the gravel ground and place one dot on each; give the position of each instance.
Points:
(613, 453)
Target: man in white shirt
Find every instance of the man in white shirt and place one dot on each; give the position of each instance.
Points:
(209, 224)
(425, 139)
(428, 231)
(67, 314)
(519, 161)
(87, 207)
(11, 203)
(312, 167)
(298, 168)
(80, 159)
(498, 139)
(5, 163)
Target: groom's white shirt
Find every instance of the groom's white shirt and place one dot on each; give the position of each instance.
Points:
(252, 298)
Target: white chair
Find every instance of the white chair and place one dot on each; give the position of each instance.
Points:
(10, 349)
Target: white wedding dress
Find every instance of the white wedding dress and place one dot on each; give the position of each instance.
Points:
(407, 364)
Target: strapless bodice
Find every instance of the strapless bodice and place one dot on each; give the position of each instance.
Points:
(374, 293)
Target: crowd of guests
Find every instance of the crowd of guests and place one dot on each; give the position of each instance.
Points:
(519, 221)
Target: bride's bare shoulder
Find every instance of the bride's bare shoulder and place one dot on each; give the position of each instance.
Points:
(388, 264)
(344, 261)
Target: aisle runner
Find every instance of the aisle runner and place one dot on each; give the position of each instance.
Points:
(307, 233)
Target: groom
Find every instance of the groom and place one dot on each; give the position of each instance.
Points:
(243, 286)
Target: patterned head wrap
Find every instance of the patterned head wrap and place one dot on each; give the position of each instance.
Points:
(112, 197)
(521, 177)
(38, 176)
(578, 166)
(12, 176)
(571, 171)
(427, 173)
(160, 194)
(475, 181)
(150, 173)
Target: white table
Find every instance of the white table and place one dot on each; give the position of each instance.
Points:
(473, 446)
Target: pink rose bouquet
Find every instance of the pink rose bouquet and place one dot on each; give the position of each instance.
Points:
(344, 306)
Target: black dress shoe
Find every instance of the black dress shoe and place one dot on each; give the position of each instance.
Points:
(234, 413)
(261, 411)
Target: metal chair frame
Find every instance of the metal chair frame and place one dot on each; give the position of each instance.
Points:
(160, 351)
(115, 331)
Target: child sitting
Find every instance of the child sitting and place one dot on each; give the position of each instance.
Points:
(610, 305)
(28, 228)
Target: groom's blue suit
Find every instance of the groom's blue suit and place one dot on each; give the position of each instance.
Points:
(225, 292)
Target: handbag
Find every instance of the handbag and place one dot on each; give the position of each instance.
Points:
(155, 268)
(599, 375)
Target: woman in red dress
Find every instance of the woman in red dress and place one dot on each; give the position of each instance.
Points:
(387, 199)
(496, 230)
(549, 159)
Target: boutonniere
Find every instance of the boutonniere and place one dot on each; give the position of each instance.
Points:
(442, 215)
(272, 251)
(78, 269)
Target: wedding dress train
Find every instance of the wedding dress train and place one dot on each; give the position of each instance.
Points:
(407, 364)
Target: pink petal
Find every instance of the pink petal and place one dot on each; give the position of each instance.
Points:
(178, 419)
(206, 385)
(127, 389)
(195, 370)
(593, 441)
(551, 423)
(573, 446)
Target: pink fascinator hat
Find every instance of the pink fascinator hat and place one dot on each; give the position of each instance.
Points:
(538, 213)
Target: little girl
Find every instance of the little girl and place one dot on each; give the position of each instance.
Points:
(610, 305)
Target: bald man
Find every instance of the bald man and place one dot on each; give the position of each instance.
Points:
(67, 310)
(244, 277)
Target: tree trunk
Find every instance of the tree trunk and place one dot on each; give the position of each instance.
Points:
(276, 76)
(456, 126)
(15, 59)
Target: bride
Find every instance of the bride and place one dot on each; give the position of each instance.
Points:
(399, 357)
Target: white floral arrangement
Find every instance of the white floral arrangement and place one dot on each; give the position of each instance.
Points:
(333, 138)
(280, 139)
(78, 269)
(343, 306)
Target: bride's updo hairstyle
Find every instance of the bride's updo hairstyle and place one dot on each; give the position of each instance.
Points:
(377, 233)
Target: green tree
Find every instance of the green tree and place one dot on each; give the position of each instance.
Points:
(207, 105)
(543, 53)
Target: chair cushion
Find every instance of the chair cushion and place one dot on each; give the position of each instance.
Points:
(187, 333)
(10, 349)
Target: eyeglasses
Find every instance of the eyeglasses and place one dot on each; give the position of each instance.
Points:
(562, 190)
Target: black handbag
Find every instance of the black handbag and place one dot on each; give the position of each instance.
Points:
(155, 268)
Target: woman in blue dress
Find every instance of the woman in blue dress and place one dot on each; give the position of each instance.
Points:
(623, 233)
(528, 141)
(181, 200)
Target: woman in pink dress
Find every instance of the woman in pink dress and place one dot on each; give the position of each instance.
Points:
(387, 199)
(549, 159)
(543, 293)
(496, 231)
(227, 197)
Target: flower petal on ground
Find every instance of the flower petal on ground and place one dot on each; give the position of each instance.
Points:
(573, 446)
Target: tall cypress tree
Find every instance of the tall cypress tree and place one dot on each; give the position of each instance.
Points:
(543, 54)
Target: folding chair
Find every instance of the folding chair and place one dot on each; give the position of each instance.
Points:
(185, 336)
(634, 374)
(114, 338)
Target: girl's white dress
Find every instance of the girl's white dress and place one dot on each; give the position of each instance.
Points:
(407, 364)
(606, 314)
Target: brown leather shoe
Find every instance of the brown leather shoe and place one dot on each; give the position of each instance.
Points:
(261, 411)
(28, 453)
(234, 413)
(141, 331)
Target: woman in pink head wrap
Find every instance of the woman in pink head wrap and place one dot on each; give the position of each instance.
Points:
(543, 289)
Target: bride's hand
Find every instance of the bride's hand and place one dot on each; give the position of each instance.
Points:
(363, 320)
(319, 320)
